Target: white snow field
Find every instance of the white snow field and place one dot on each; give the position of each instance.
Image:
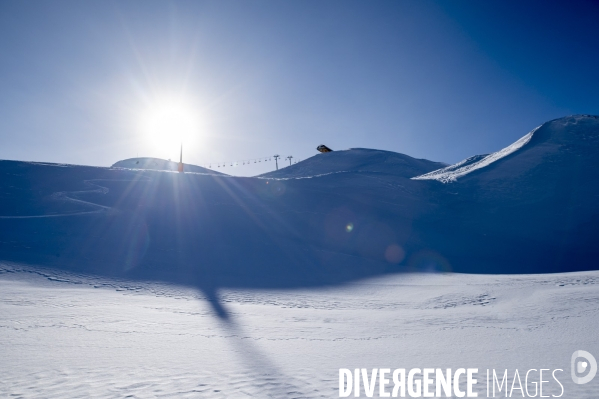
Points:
(72, 336)
(127, 282)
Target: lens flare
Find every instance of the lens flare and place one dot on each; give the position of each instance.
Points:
(395, 254)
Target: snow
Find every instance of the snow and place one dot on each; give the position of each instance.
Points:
(160, 164)
(80, 336)
(469, 165)
(356, 160)
(122, 281)
(576, 128)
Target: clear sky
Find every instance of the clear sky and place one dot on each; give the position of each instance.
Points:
(94, 82)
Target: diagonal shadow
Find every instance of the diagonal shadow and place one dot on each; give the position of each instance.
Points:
(268, 379)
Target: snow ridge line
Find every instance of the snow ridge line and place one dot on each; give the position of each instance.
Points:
(451, 173)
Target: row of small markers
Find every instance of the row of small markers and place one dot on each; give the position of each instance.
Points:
(241, 163)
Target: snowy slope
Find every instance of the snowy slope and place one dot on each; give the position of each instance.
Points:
(160, 164)
(534, 210)
(207, 231)
(564, 146)
(357, 160)
(119, 282)
(453, 172)
(569, 132)
(73, 336)
(537, 205)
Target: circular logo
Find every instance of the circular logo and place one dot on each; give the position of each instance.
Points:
(581, 360)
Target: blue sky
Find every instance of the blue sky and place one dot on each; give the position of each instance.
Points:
(80, 82)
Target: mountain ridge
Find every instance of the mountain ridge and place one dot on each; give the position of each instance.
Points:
(534, 210)
(356, 160)
(149, 163)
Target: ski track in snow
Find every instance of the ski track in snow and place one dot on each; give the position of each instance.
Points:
(74, 335)
(67, 196)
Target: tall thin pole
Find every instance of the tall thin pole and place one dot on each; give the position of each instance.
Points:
(276, 157)
(289, 158)
(181, 160)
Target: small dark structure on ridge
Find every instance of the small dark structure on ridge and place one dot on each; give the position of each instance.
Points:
(323, 148)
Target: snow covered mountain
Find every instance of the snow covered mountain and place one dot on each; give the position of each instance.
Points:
(357, 160)
(532, 206)
(533, 209)
(160, 164)
(563, 135)
(283, 279)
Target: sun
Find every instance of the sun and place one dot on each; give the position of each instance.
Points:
(169, 123)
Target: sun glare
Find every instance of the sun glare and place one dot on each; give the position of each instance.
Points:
(169, 124)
